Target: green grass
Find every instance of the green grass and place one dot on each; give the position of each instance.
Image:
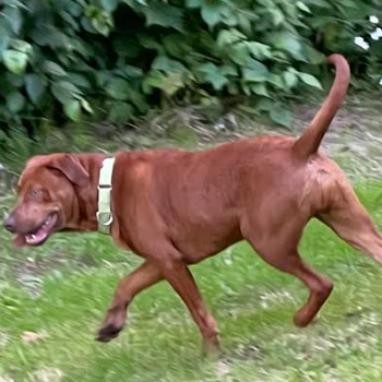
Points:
(62, 290)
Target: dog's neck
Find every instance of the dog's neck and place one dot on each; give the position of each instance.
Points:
(87, 197)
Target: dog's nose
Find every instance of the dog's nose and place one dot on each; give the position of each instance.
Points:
(10, 223)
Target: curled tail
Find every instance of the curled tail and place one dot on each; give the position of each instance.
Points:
(310, 141)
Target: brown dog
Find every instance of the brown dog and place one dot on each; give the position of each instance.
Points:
(175, 208)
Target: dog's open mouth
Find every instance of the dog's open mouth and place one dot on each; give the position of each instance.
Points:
(41, 233)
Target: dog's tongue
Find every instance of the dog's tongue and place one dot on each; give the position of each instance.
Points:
(37, 237)
(19, 241)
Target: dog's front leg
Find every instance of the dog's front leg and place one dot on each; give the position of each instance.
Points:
(181, 279)
(143, 277)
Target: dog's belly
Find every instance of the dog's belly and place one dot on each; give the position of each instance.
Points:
(204, 238)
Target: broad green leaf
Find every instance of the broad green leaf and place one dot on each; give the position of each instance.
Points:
(72, 109)
(150, 42)
(259, 50)
(48, 35)
(135, 4)
(281, 115)
(291, 79)
(194, 3)
(277, 81)
(54, 69)
(103, 23)
(314, 56)
(138, 100)
(14, 17)
(176, 46)
(154, 79)
(71, 20)
(79, 80)
(15, 61)
(240, 54)
(21, 46)
(102, 27)
(120, 112)
(4, 38)
(310, 80)
(303, 7)
(167, 65)
(35, 86)
(264, 104)
(65, 91)
(74, 8)
(229, 70)
(85, 105)
(109, 5)
(229, 17)
(229, 37)
(164, 15)
(277, 16)
(246, 88)
(212, 74)
(255, 71)
(211, 12)
(245, 23)
(288, 42)
(259, 89)
(172, 83)
(15, 102)
(132, 71)
(118, 88)
(102, 78)
(169, 83)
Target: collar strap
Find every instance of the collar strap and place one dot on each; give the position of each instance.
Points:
(104, 214)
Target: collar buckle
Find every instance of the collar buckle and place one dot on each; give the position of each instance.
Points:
(104, 218)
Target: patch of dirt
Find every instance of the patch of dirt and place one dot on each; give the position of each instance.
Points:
(46, 374)
(244, 352)
(29, 272)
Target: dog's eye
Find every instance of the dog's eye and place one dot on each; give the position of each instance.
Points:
(35, 193)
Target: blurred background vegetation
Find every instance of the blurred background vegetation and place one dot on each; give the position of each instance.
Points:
(71, 68)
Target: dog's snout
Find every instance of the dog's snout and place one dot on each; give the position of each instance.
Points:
(10, 223)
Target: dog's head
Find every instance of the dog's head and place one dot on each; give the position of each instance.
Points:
(47, 197)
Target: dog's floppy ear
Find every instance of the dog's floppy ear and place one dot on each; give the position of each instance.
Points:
(70, 166)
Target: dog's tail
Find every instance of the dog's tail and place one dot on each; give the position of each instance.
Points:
(309, 142)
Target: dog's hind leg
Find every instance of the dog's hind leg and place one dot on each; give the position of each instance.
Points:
(350, 220)
(280, 251)
(319, 286)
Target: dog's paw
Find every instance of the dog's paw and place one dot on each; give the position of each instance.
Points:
(108, 332)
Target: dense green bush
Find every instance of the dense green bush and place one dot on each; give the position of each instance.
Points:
(114, 59)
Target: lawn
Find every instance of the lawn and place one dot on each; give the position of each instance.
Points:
(53, 298)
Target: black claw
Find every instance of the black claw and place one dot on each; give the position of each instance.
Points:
(108, 332)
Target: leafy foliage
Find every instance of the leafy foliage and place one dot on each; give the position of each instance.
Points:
(116, 58)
